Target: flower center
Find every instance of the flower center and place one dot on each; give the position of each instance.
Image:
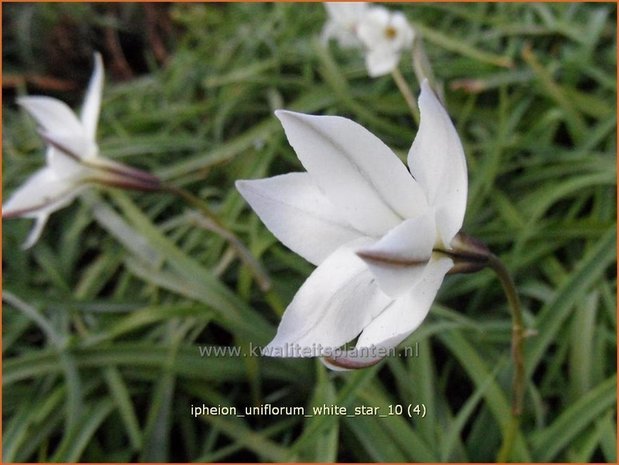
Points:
(391, 32)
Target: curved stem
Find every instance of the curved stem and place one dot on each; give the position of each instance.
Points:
(469, 255)
(517, 331)
(411, 101)
(208, 220)
(517, 339)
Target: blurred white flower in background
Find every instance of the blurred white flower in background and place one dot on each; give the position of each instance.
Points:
(379, 236)
(72, 159)
(385, 35)
(342, 22)
(381, 33)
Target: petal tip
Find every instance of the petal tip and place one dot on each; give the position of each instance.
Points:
(426, 92)
(284, 115)
(98, 69)
(243, 185)
(26, 101)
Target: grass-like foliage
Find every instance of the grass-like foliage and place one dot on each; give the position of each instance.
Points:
(103, 320)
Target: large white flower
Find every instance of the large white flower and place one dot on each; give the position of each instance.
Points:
(72, 157)
(343, 21)
(378, 234)
(385, 35)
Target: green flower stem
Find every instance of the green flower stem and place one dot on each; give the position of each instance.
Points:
(411, 101)
(518, 381)
(470, 255)
(517, 330)
(209, 220)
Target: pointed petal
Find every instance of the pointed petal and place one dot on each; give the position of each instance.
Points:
(358, 173)
(37, 229)
(92, 101)
(41, 195)
(399, 259)
(54, 116)
(403, 317)
(42, 192)
(298, 214)
(331, 308)
(437, 162)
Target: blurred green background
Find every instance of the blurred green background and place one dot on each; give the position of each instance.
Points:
(104, 317)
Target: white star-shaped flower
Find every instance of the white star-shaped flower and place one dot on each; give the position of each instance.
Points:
(385, 35)
(72, 158)
(379, 235)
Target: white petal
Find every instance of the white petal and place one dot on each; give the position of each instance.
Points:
(42, 192)
(346, 13)
(344, 18)
(398, 260)
(92, 101)
(329, 31)
(358, 173)
(447, 224)
(37, 229)
(54, 116)
(437, 162)
(62, 165)
(402, 317)
(75, 146)
(372, 27)
(381, 28)
(404, 32)
(298, 214)
(41, 195)
(381, 61)
(332, 307)
(345, 37)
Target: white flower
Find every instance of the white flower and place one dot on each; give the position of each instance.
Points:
(342, 22)
(374, 231)
(385, 34)
(72, 157)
